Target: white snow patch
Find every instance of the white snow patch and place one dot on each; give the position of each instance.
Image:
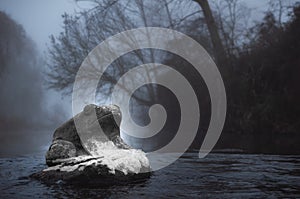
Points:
(125, 160)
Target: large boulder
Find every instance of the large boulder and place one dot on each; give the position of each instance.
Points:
(86, 153)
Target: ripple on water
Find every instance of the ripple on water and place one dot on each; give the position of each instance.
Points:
(217, 175)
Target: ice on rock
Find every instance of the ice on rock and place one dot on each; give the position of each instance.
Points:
(124, 160)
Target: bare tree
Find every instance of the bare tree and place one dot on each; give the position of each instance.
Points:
(90, 27)
(233, 19)
(281, 9)
(213, 30)
(84, 31)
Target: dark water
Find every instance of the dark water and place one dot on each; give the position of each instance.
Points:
(216, 176)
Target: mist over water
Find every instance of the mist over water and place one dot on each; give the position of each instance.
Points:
(26, 120)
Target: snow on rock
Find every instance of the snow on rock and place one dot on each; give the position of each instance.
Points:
(106, 154)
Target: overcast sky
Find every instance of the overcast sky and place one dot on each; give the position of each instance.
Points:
(41, 18)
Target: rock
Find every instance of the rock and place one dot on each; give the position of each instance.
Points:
(101, 170)
(66, 138)
(60, 149)
(85, 154)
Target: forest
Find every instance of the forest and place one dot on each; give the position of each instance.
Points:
(258, 60)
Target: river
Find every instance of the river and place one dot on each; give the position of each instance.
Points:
(216, 176)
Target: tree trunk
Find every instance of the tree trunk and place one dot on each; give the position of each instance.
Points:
(213, 31)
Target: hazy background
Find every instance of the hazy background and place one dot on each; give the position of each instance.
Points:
(29, 111)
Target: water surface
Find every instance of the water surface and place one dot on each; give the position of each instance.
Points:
(217, 175)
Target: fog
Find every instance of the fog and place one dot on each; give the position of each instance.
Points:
(29, 110)
(26, 116)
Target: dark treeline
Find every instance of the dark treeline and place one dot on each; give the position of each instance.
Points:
(264, 91)
(259, 64)
(262, 85)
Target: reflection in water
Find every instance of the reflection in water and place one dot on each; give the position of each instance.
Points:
(217, 175)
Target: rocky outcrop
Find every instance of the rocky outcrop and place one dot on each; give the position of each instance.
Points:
(109, 169)
(85, 152)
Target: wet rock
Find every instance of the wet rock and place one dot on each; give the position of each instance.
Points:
(92, 150)
(89, 170)
(67, 143)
